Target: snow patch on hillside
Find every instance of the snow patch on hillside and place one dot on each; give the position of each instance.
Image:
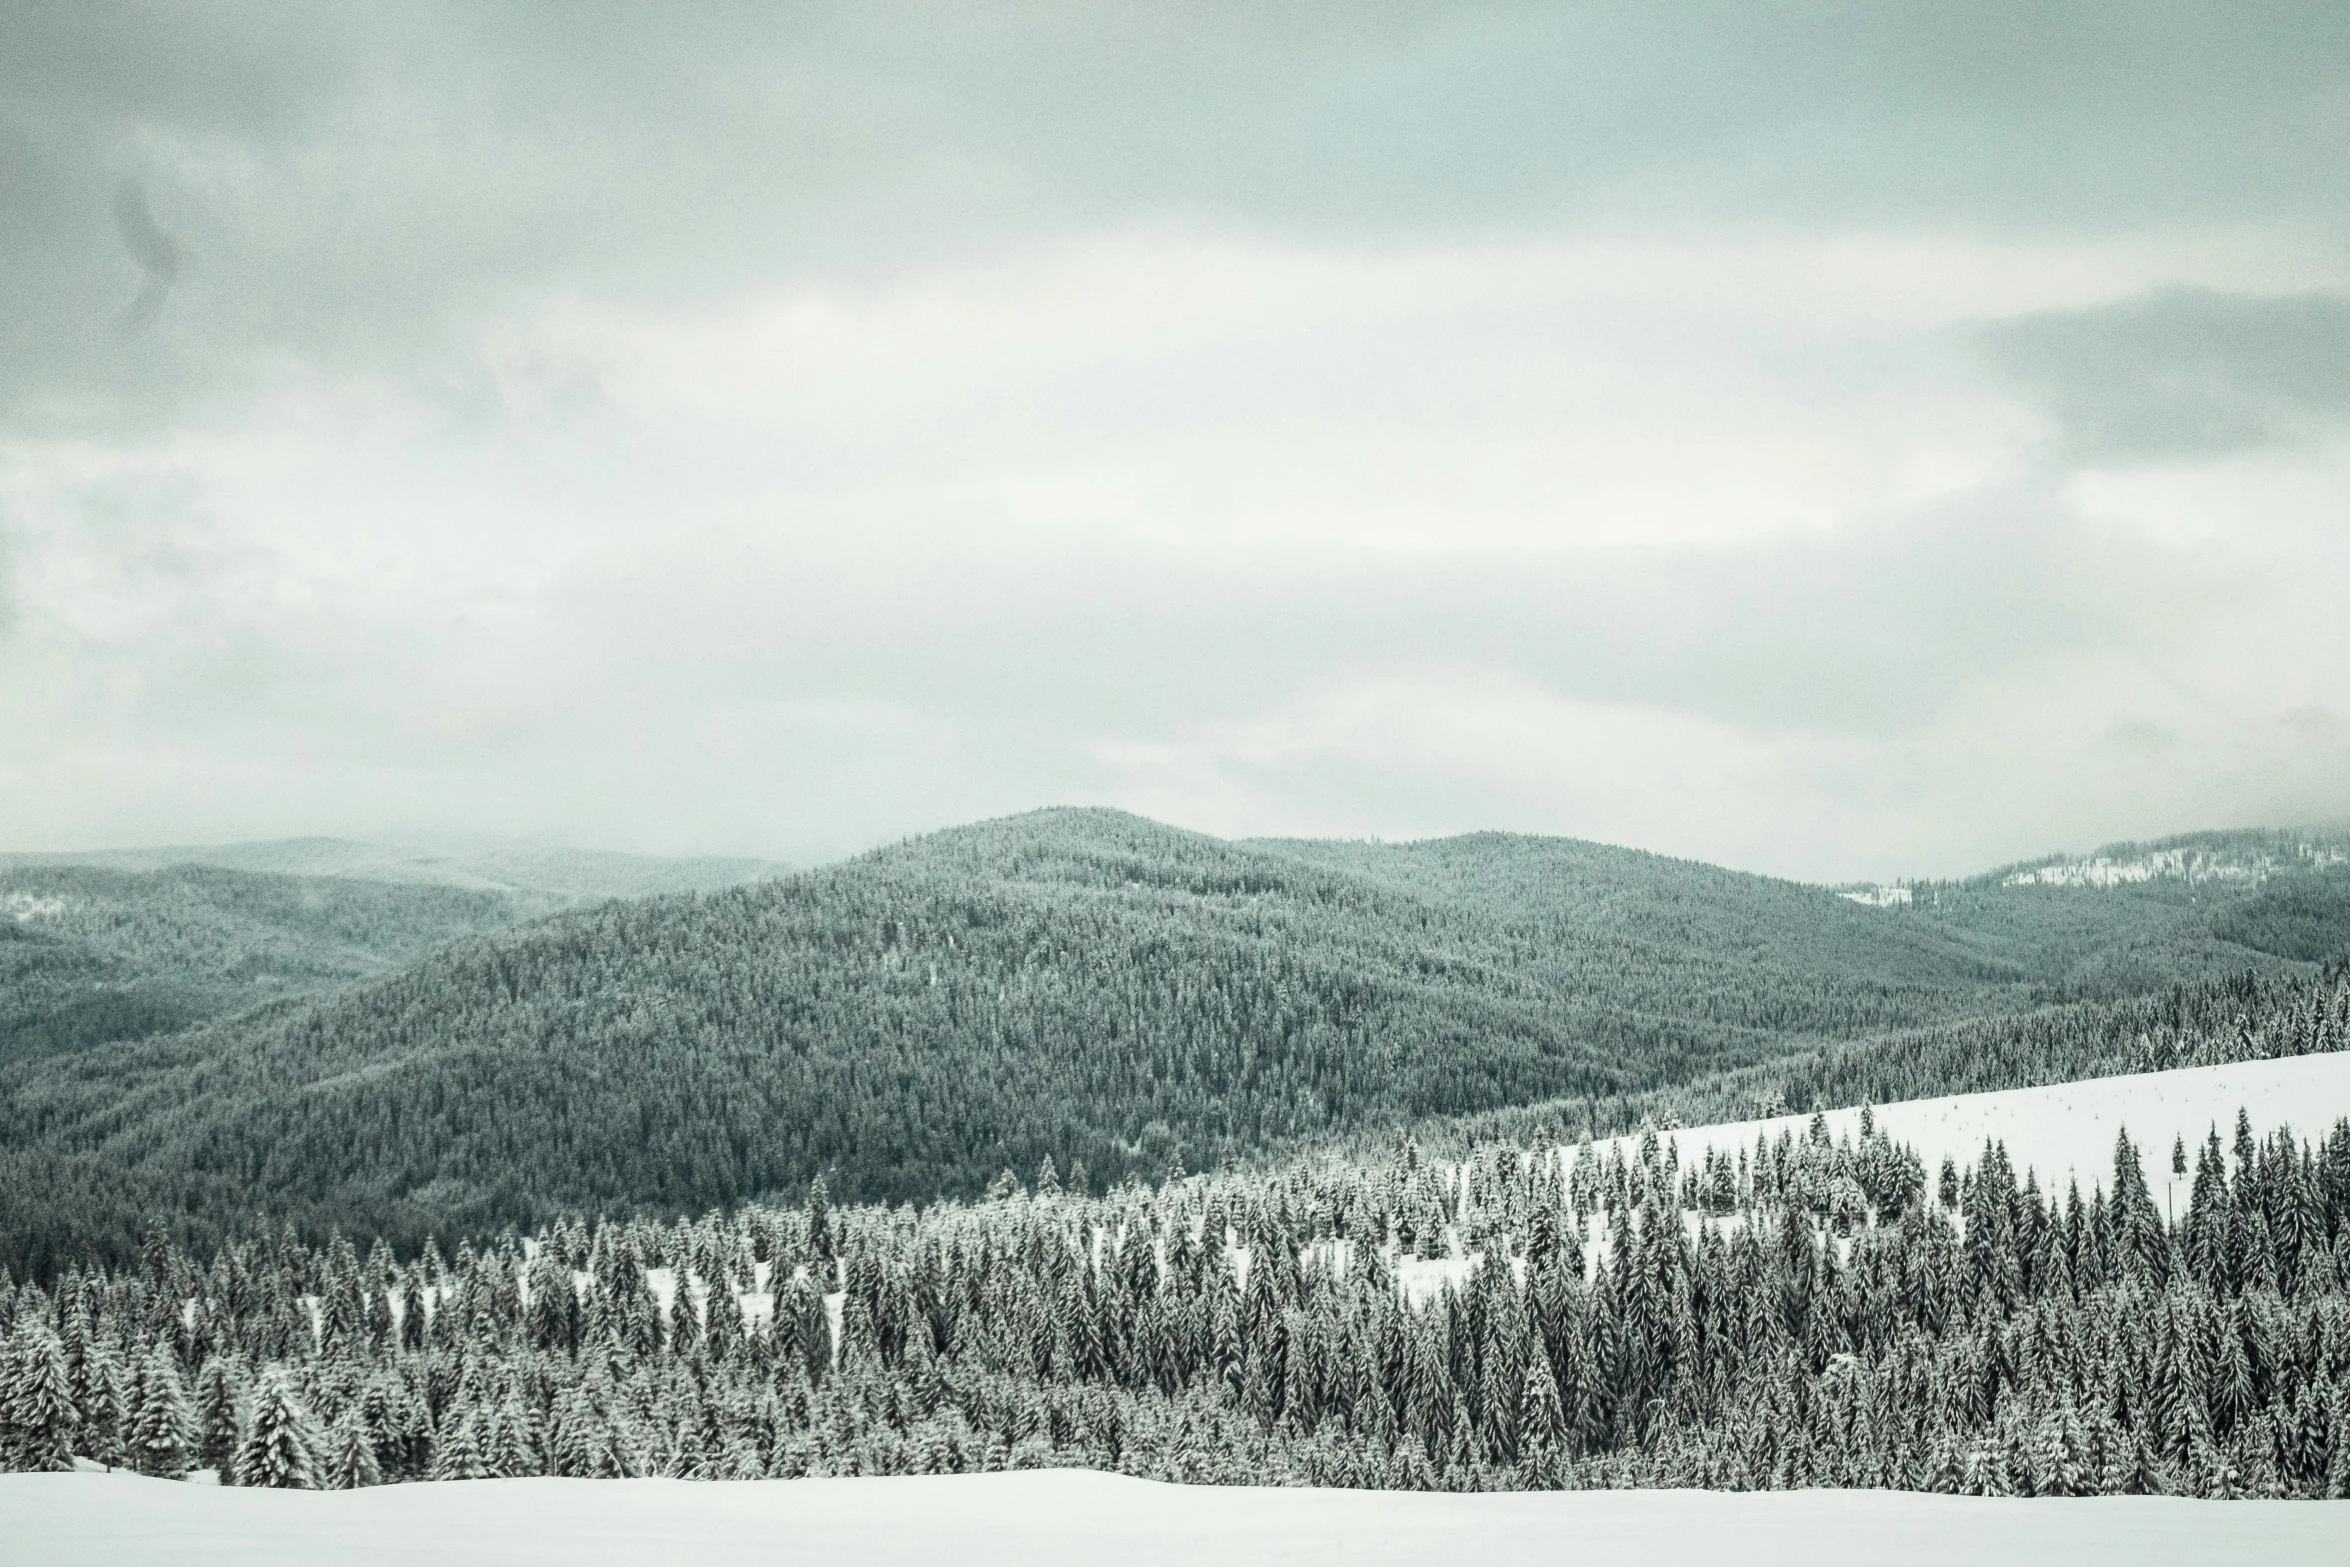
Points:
(2068, 1130)
(2182, 864)
(1050, 1518)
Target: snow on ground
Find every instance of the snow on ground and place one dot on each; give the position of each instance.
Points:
(2068, 1129)
(1047, 1518)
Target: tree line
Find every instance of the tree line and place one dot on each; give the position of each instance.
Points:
(1811, 1311)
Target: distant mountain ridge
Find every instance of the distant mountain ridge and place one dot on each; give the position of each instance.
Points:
(2232, 854)
(555, 876)
(2243, 855)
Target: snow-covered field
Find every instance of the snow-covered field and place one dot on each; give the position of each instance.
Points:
(2068, 1129)
(1052, 1517)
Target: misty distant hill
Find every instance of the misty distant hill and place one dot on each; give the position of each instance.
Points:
(1081, 983)
(2129, 919)
(2205, 859)
(118, 945)
(90, 954)
(2137, 917)
(544, 878)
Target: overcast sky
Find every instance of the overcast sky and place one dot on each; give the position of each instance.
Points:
(1839, 440)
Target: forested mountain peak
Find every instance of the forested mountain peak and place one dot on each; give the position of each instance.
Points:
(1072, 845)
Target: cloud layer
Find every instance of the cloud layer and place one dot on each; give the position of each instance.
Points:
(1841, 441)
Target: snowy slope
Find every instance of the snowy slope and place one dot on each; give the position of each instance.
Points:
(2068, 1129)
(1054, 1517)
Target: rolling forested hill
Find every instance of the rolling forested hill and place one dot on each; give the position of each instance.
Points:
(2129, 919)
(114, 946)
(89, 955)
(1083, 984)
(2142, 917)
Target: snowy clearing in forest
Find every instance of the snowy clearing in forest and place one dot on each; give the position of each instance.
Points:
(1045, 1518)
(2067, 1130)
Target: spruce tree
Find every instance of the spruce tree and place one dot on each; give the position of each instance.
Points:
(457, 1452)
(280, 1445)
(1542, 1422)
(741, 1459)
(219, 1392)
(103, 1397)
(38, 1411)
(163, 1421)
(512, 1448)
(820, 1224)
(348, 1461)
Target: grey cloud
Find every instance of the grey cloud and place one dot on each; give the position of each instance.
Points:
(367, 187)
(156, 252)
(361, 178)
(2183, 371)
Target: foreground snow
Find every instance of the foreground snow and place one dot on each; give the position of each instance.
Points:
(2068, 1129)
(1046, 1518)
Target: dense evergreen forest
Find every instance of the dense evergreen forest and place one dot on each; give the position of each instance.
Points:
(1079, 983)
(1815, 1313)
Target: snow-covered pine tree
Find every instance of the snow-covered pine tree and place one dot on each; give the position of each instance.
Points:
(724, 1330)
(819, 1222)
(2144, 1244)
(550, 1320)
(2059, 1459)
(348, 1460)
(572, 1440)
(37, 1413)
(107, 1406)
(741, 1459)
(457, 1455)
(511, 1446)
(1542, 1423)
(219, 1394)
(280, 1445)
(162, 1437)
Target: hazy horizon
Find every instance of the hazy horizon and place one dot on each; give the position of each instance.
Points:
(1845, 442)
(458, 843)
